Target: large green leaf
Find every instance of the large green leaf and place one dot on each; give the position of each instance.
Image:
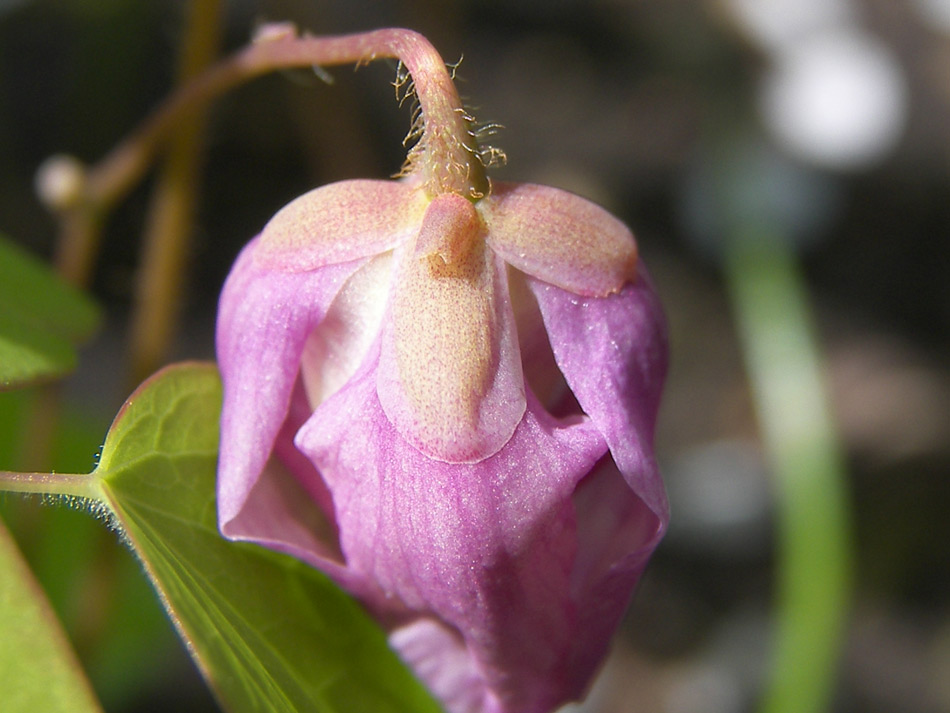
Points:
(38, 670)
(269, 633)
(41, 319)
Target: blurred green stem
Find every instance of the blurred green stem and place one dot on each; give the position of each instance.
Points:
(814, 557)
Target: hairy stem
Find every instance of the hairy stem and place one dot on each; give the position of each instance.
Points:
(446, 156)
(441, 107)
(68, 484)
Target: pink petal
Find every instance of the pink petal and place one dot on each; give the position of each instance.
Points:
(559, 237)
(542, 374)
(616, 534)
(450, 375)
(487, 546)
(263, 321)
(439, 657)
(334, 352)
(613, 354)
(341, 222)
(289, 508)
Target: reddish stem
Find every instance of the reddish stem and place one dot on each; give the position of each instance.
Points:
(448, 159)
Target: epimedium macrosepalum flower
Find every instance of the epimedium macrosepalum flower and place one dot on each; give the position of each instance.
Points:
(442, 392)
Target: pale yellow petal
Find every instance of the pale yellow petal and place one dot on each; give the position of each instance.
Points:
(341, 222)
(450, 372)
(560, 238)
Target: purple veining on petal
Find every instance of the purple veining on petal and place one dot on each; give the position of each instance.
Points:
(439, 657)
(487, 547)
(616, 534)
(289, 508)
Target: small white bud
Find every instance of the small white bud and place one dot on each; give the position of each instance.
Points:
(59, 181)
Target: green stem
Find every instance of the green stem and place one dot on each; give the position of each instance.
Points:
(66, 484)
(814, 553)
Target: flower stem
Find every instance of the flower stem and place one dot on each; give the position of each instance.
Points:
(80, 233)
(67, 484)
(172, 205)
(447, 154)
(441, 107)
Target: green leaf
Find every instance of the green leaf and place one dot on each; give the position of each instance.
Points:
(42, 297)
(38, 670)
(83, 569)
(41, 319)
(29, 354)
(269, 633)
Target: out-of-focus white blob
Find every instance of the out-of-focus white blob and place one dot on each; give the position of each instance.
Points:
(935, 13)
(837, 99)
(776, 24)
(59, 182)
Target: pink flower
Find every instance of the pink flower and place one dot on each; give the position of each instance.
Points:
(447, 404)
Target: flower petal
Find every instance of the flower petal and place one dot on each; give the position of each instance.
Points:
(559, 237)
(486, 546)
(341, 222)
(334, 352)
(263, 321)
(289, 509)
(439, 657)
(613, 354)
(616, 534)
(450, 377)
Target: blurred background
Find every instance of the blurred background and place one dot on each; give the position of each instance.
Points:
(828, 121)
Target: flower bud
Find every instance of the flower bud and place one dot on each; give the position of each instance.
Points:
(378, 423)
(442, 392)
